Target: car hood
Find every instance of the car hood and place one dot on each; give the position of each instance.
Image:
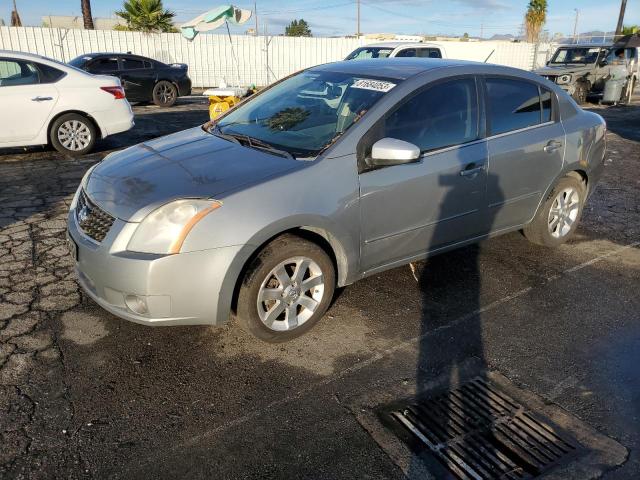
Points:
(563, 69)
(190, 164)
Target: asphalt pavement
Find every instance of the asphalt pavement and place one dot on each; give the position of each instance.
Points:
(84, 394)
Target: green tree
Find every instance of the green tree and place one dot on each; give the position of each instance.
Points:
(630, 29)
(298, 28)
(147, 16)
(535, 18)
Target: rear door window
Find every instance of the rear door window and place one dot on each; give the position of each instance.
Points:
(513, 105)
(104, 65)
(407, 52)
(429, 53)
(18, 72)
(129, 63)
(443, 115)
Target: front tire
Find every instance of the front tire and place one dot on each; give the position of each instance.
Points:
(73, 134)
(580, 93)
(165, 94)
(557, 219)
(286, 290)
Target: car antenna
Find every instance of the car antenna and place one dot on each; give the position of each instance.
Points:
(486, 59)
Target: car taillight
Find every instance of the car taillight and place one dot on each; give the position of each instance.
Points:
(117, 92)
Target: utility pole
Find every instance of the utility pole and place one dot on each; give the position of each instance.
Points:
(358, 17)
(481, 30)
(255, 13)
(623, 7)
(575, 25)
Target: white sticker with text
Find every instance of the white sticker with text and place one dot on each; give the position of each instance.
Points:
(377, 85)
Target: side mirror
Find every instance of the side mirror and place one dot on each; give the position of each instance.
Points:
(604, 62)
(391, 151)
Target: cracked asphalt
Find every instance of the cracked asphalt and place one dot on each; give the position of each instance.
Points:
(86, 395)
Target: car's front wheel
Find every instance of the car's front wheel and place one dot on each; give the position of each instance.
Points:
(557, 219)
(73, 134)
(286, 289)
(580, 93)
(165, 94)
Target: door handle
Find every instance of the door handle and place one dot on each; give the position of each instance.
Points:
(41, 99)
(471, 171)
(552, 146)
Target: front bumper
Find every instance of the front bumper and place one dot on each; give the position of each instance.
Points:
(193, 288)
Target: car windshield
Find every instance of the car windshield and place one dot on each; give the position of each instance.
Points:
(369, 52)
(303, 114)
(583, 55)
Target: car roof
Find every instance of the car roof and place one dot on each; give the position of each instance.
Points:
(397, 44)
(108, 54)
(393, 68)
(585, 45)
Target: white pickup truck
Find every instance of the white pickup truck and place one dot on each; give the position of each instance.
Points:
(397, 49)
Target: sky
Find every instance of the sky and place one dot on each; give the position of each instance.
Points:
(338, 17)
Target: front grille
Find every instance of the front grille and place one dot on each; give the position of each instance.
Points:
(93, 221)
(478, 432)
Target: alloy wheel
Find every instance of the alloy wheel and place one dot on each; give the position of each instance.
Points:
(165, 93)
(74, 135)
(290, 294)
(564, 212)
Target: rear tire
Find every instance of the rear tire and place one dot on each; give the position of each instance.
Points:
(165, 94)
(286, 290)
(558, 217)
(73, 134)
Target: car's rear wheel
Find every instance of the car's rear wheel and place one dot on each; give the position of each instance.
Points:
(165, 94)
(286, 290)
(558, 218)
(73, 134)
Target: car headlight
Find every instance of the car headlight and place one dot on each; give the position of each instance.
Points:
(164, 230)
(564, 79)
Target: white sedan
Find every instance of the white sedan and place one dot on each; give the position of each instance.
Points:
(43, 101)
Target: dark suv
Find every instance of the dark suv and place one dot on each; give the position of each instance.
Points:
(143, 79)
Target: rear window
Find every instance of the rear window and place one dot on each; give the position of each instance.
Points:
(49, 74)
(515, 104)
(80, 61)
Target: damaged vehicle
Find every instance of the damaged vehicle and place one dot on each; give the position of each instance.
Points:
(584, 70)
(336, 173)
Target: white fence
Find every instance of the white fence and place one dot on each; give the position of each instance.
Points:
(261, 59)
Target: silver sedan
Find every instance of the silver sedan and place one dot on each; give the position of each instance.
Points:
(333, 174)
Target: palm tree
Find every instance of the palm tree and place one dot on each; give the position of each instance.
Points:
(86, 14)
(15, 17)
(147, 16)
(630, 29)
(535, 18)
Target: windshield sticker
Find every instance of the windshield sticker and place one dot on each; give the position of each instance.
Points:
(377, 85)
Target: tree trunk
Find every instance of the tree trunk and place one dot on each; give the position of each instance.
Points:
(86, 14)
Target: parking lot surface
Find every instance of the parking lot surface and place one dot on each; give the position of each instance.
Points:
(84, 394)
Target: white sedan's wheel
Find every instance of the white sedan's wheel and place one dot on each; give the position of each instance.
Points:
(73, 134)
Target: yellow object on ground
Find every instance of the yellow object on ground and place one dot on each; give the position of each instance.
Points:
(219, 105)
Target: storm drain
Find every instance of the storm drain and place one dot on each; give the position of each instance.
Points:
(479, 432)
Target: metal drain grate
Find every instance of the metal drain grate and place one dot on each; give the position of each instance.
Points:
(478, 432)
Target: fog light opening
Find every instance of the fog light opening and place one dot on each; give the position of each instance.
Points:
(136, 304)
